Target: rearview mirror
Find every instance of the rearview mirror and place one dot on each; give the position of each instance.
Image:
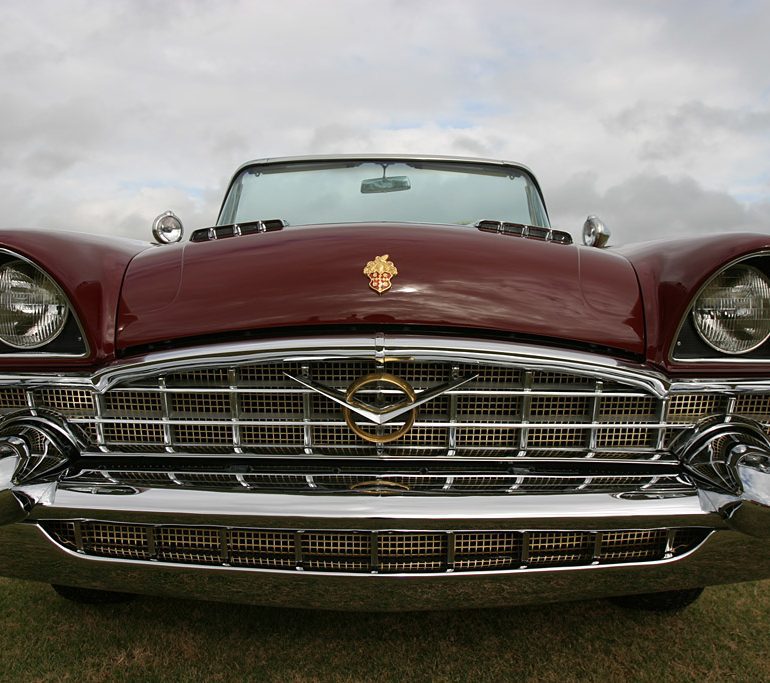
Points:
(396, 183)
(167, 228)
(595, 232)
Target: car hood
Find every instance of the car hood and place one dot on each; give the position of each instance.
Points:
(448, 277)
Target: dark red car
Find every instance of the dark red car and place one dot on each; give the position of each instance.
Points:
(384, 383)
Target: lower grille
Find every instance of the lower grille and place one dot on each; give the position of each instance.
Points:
(386, 552)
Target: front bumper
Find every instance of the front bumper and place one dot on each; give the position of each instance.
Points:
(27, 551)
(726, 556)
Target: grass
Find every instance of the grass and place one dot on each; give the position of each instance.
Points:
(723, 636)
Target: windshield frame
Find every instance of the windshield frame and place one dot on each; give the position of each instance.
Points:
(336, 160)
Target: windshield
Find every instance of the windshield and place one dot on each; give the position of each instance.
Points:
(401, 191)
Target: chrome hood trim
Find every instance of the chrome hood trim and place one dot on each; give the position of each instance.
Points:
(377, 347)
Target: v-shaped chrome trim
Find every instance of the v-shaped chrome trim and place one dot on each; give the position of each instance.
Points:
(379, 416)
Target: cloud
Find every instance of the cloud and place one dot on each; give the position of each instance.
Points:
(113, 112)
(647, 207)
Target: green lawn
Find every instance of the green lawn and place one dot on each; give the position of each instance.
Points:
(723, 636)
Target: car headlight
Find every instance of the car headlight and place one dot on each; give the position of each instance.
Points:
(732, 313)
(33, 310)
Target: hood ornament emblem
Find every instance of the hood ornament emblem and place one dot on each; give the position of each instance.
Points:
(380, 273)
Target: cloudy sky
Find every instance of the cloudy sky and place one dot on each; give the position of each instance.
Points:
(653, 115)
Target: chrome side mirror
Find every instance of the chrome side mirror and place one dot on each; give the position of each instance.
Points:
(167, 228)
(595, 232)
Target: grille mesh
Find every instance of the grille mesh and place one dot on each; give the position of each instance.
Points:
(555, 548)
(754, 405)
(74, 402)
(12, 398)
(627, 409)
(694, 407)
(561, 408)
(366, 551)
(132, 404)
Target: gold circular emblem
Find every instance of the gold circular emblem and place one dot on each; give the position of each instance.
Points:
(379, 487)
(379, 378)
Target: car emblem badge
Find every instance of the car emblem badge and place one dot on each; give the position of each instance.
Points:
(379, 379)
(380, 273)
(356, 407)
(379, 487)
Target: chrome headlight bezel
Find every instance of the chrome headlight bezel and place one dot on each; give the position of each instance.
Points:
(24, 286)
(735, 299)
(691, 346)
(68, 339)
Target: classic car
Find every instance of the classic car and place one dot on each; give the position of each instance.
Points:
(384, 383)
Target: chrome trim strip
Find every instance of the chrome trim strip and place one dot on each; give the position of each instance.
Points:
(337, 348)
(164, 421)
(185, 505)
(397, 347)
(335, 423)
(386, 415)
(234, 409)
(665, 482)
(385, 157)
(346, 347)
(385, 457)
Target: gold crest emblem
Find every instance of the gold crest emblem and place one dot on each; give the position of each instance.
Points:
(380, 272)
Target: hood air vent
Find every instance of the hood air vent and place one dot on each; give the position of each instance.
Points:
(529, 231)
(237, 229)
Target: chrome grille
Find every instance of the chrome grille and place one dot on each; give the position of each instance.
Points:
(371, 551)
(340, 480)
(509, 410)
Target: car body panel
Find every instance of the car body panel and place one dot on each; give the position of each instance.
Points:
(449, 276)
(89, 269)
(670, 273)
